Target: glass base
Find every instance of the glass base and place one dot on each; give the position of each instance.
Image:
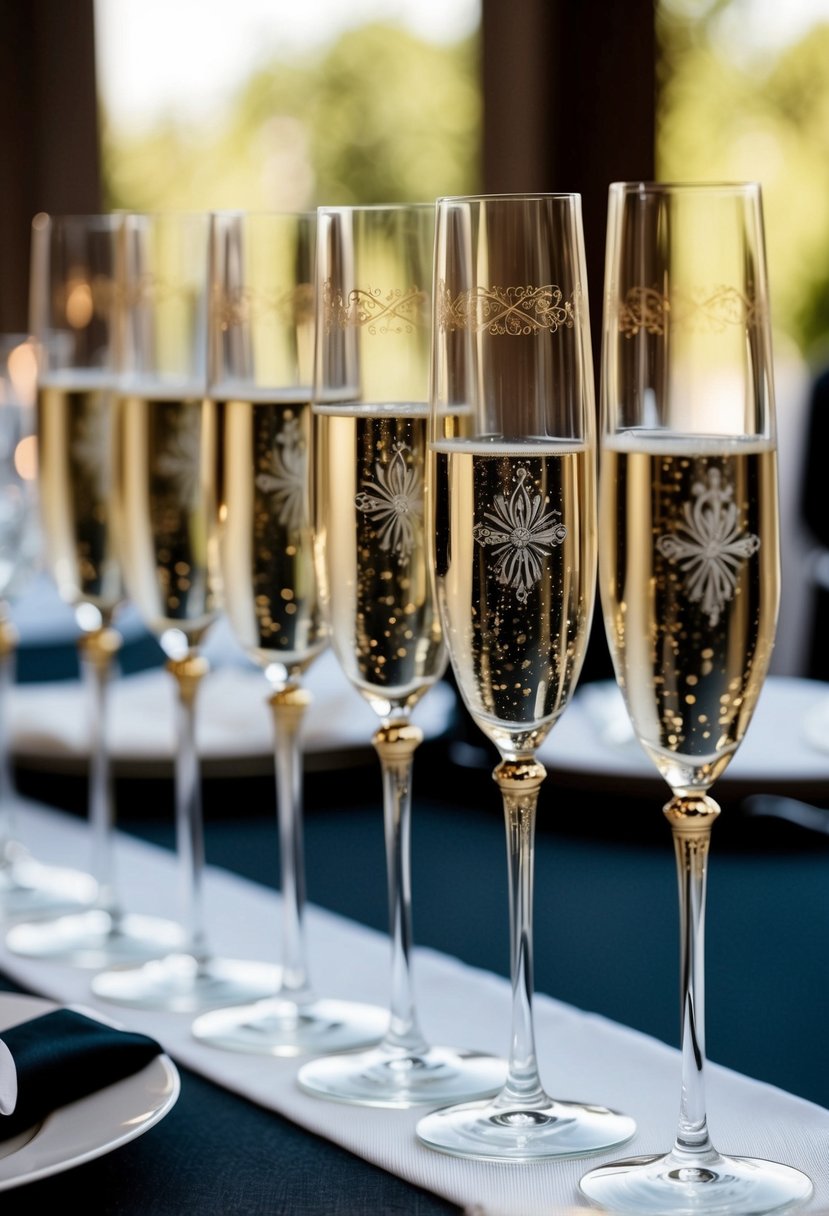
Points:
(678, 1185)
(95, 938)
(181, 983)
(278, 1026)
(498, 1131)
(392, 1077)
(31, 890)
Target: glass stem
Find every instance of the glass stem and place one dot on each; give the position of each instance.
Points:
(8, 653)
(395, 743)
(98, 650)
(691, 818)
(288, 705)
(188, 673)
(519, 782)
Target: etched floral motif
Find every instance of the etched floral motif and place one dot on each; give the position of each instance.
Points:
(396, 311)
(709, 545)
(508, 311)
(700, 309)
(522, 535)
(179, 459)
(244, 306)
(286, 480)
(395, 503)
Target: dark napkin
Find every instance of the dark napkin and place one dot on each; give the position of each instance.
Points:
(64, 1055)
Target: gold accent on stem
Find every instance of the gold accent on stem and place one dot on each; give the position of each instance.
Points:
(289, 704)
(691, 814)
(691, 817)
(189, 673)
(9, 637)
(100, 646)
(396, 742)
(518, 777)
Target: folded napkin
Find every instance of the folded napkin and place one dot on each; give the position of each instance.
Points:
(64, 1055)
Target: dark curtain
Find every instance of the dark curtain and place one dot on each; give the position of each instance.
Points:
(49, 152)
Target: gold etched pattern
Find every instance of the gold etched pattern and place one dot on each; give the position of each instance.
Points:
(396, 311)
(506, 311)
(246, 306)
(704, 310)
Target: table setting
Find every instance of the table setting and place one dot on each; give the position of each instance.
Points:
(348, 471)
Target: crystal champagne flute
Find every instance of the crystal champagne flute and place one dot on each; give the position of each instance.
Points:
(513, 528)
(371, 418)
(28, 887)
(165, 493)
(690, 584)
(73, 323)
(262, 349)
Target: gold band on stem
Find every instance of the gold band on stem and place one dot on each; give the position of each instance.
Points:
(289, 704)
(100, 646)
(518, 781)
(691, 815)
(396, 742)
(9, 637)
(189, 673)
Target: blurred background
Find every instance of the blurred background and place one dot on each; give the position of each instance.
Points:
(152, 104)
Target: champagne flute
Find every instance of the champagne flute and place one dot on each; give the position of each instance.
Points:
(74, 326)
(513, 526)
(371, 417)
(690, 583)
(165, 495)
(28, 887)
(262, 348)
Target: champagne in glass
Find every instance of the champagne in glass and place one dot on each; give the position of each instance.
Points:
(371, 416)
(513, 527)
(262, 347)
(165, 492)
(74, 324)
(690, 584)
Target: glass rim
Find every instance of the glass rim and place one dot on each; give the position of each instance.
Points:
(534, 196)
(645, 187)
(241, 213)
(353, 208)
(43, 220)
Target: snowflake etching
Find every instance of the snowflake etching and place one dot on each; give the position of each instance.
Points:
(521, 535)
(286, 480)
(179, 460)
(395, 503)
(708, 545)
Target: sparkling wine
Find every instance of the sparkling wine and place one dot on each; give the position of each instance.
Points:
(690, 585)
(372, 549)
(515, 564)
(264, 536)
(167, 498)
(76, 462)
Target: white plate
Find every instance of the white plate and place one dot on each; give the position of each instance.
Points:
(92, 1126)
(594, 740)
(234, 725)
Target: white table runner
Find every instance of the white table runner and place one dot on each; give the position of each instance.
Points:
(583, 1056)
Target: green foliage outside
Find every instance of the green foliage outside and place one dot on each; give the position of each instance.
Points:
(381, 117)
(765, 119)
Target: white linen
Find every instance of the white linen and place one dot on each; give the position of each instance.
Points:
(583, 1056)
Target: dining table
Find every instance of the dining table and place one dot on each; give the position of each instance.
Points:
(242, 1139)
